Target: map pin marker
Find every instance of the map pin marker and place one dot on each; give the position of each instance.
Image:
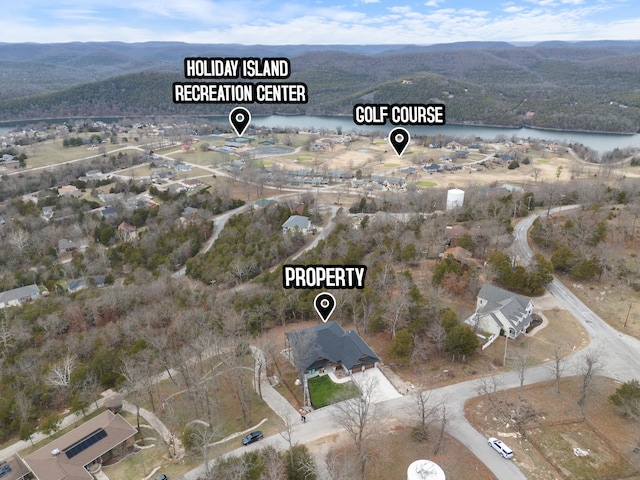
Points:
(240, 118)
(399, 139)
(325, 304)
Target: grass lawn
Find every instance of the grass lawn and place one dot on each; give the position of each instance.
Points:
(392, 165)
(323, 390)
(425, 183)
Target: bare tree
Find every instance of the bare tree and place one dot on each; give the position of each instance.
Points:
(201, 438)
(443, 426)
(7, 333)
(558, 365)
(60, 373)
(426, 409)
(273, 467)
(488, 386)
(521, 360)
(287, 435)
(586, 370)
(300, 346)
(358, 416)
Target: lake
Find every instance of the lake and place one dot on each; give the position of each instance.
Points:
(600, 142)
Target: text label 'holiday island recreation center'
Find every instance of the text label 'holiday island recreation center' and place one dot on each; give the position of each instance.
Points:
(404, 114)
(239, 92)
(323, 276)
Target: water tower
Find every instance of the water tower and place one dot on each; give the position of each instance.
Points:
(455, 198)
(425, 470)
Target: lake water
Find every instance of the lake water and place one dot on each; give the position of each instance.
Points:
(601, 142)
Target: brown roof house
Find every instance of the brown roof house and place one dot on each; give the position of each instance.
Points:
(82, 450)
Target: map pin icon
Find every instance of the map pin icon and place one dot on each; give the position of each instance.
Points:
(399, 139)
(325, 305)
(240, 118)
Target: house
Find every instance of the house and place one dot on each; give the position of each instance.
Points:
(127, 232)
(434, 167)
(108, 212)
(47, 212)
(14, 467)
(76, 454)
(327, 347)
(499, 311)
(82, 283)
(463, 256)
(297, 223)
(65, 245)
(69, 191)
(453, 233)
(18, 296)
(192, 183)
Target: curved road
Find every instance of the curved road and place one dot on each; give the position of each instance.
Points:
(618, 354)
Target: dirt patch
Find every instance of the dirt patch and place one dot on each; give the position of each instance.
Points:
(398, 449)
(546, 447)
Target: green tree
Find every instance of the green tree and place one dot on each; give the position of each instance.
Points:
(401, 346)
(461, 341)
(446, 265)
(303, 466)
(586, 269)
(563, 259)
(50, 424)
(466, 242)
(627, 399)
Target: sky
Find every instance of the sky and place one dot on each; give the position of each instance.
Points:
(274, 22)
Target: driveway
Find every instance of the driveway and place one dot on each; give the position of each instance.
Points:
(383, 390)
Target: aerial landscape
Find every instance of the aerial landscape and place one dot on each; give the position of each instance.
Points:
(321, 242)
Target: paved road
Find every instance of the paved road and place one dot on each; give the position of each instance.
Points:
(619, 355)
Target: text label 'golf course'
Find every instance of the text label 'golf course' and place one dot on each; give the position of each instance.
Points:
(404, 114)
(323, 276)
(239, 92)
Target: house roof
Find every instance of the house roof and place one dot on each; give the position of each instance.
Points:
(19, 293)
(296, 221)
(331, 342)
(18, 468)
(511, 305)
(455, 231)
(79, 447)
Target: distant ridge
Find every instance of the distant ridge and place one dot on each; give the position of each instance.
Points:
(591, 86)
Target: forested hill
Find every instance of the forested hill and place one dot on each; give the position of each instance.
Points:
(583, 86)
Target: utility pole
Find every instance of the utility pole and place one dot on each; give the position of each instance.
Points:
(627, 319)
(506, 341)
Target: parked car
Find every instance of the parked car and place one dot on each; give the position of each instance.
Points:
(161, 477)
(501, 447)
(4, 468)
(252, 437)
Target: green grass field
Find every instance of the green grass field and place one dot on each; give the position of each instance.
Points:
(323, 391)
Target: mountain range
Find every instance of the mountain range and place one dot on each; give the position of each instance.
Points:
(591, 86)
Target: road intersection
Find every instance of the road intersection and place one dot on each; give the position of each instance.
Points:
(619, 355)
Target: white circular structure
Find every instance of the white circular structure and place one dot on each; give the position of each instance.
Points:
(425, 470)
(455, 198)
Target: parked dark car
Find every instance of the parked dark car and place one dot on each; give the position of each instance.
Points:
(252, 437)
(4, 468)
(161, 477)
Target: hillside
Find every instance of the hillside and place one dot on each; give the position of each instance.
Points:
(580, 86)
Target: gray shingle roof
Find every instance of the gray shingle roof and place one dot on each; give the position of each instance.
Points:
(296, 221)
(328, 342)
(512, 305)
